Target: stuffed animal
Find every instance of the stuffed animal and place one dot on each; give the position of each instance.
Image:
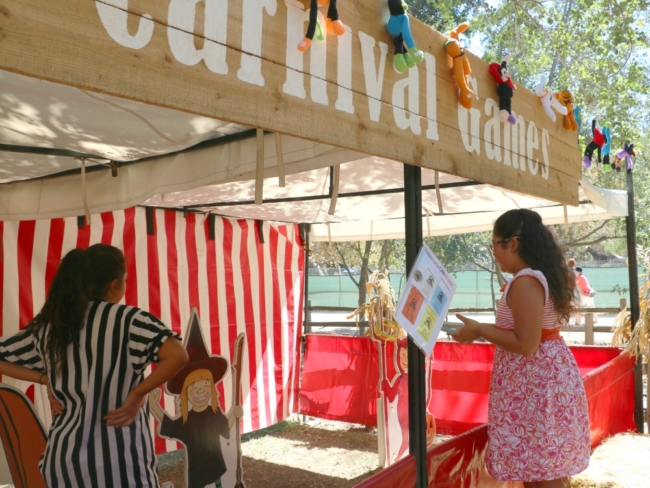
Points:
(577, 114)
(334, 25)
(626, 154)
(566, 99)
(399, 27)
(607, 148)
(460, 65)
(505, 89)
(548, 102)
(596, 143)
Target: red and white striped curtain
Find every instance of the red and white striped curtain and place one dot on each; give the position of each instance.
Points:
(237, 283)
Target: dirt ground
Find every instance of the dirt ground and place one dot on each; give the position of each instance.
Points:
(322, 454)
(315, 453)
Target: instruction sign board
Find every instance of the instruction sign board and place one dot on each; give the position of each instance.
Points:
(423, 306)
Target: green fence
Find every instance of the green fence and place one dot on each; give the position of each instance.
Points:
(472, 288)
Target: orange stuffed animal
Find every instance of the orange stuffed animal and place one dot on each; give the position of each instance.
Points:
(334, 25)
(566, 100)
(460, 65)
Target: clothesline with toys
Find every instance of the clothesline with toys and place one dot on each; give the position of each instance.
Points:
(561, 102)
(407, 55)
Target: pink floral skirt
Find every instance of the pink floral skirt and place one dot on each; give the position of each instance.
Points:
(538, 420)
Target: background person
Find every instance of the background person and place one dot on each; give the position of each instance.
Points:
(538, 420)
(577, 316)
(93, 353)
(587, 293)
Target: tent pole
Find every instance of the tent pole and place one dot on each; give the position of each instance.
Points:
(630, 227)
(304, 231)
(416, 376)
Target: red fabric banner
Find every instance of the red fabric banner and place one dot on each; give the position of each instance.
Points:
(339, 379)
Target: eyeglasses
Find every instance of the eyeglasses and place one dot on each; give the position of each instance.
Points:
(494, 244)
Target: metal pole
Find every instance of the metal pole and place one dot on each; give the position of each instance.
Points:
(307, 314)
(416, 374)
(630, 227)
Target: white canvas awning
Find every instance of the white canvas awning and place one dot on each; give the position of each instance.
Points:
(177, 160)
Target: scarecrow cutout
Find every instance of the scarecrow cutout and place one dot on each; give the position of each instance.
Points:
(392, 388)
(210, 436)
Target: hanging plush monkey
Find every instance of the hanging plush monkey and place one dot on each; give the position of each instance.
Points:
(334, 25)
(505, 89)
(399, 27)
(598, 141)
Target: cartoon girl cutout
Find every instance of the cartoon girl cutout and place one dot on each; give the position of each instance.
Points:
(202, 422)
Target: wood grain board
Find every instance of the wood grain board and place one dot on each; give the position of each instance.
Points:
(236, 60)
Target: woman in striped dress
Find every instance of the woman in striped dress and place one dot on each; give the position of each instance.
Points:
(538, 421)
(93, 352)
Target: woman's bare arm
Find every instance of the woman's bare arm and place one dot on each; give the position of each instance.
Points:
(526, 300)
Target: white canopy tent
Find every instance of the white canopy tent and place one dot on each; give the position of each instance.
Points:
(172, 159)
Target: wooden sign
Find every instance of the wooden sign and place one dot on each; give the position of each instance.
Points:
(237, 60)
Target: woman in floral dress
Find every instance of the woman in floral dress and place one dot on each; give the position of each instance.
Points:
(538, 421)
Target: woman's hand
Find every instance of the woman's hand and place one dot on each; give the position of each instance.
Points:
(468, 332)
(55, 405)
(125, 415)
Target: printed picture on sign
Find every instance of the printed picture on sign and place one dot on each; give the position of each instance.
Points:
(439, 300)
(429, 285)
(412, 305)
(427, 323)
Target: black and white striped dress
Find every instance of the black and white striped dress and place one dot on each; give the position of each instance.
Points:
(116, 345)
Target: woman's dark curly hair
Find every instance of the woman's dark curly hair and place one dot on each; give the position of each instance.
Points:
(540, 251)
(83, 275)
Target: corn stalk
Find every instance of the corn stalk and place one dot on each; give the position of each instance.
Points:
(637, 341)
(379, 309)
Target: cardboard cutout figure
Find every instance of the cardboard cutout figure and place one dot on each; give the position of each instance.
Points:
(392, 387)
(23, 437)
(202, 424)
(396, 394)
(393, 396)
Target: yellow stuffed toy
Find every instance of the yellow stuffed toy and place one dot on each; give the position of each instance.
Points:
(459, 65)
(566, 100)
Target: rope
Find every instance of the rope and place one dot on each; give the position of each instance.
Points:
(84, 196)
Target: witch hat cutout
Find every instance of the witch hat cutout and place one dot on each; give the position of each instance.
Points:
(199, 358)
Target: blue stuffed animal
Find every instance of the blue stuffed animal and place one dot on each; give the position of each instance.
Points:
(577, 114)
(607, 149)
(399, 27)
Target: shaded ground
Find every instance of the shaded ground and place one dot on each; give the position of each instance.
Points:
(314, 454)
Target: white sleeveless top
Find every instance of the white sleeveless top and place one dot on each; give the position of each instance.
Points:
(504, 319)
